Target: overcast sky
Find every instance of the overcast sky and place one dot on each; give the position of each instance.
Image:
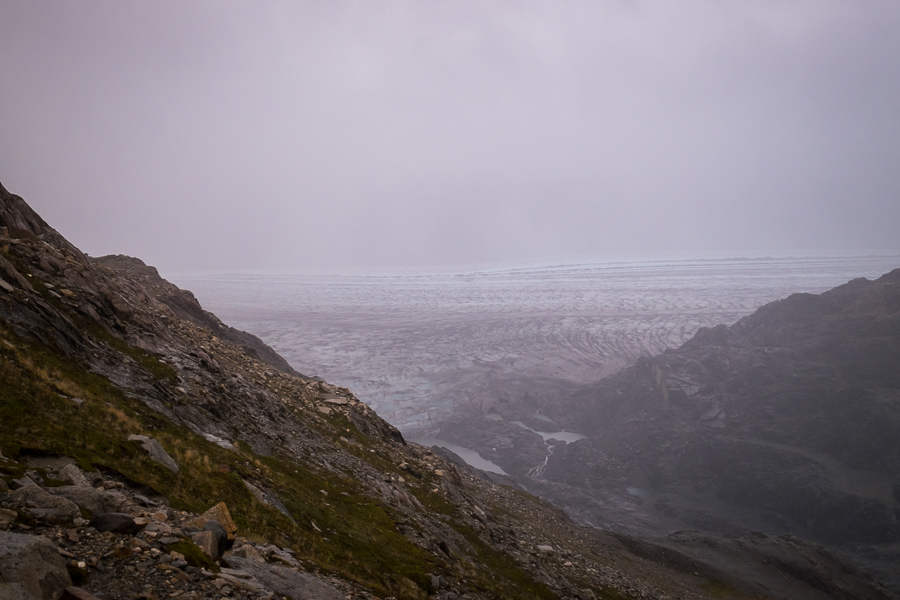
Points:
(327, 135)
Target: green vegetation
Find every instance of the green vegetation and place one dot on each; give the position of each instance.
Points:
(194, 555)
(334, 526)
(720, 589)
(358, 538)
(498, 573)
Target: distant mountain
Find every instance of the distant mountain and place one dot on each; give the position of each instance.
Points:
(786, 422)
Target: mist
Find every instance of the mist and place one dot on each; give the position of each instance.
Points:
(238, 135)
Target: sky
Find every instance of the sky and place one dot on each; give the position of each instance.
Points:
(327, 135)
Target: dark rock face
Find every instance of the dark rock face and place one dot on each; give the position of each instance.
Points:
(115, 523)
(791, 415)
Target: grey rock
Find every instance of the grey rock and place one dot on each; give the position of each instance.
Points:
(156, 451)
(35, 477)
(13, 591)
(31, 564)
(287, 582)
(7, 517)
(115, 522)
(257, 493)
(144, 500)
(248, 552)
(220, 533)
(47, 505)
(221, 442)
(72, 474)
(77, 593)
(207, 542)
(11, 275)
(93, 500)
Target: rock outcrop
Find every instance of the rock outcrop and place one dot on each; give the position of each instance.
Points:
(31, 567)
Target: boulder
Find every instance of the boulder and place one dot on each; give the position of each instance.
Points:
(13, 591)
(287, 582)
(156, 451)
(221, 536)
(93, 500)
(219, 513)
(115, 522)
(248, 552)
(77, 593)
(207, 542)
(7, 517)
(31, 564)
(72, 475)
(45, 504)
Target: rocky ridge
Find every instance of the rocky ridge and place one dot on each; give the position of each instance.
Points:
(122, 411)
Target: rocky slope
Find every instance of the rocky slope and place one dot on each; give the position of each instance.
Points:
(786, 422)
(160, 453)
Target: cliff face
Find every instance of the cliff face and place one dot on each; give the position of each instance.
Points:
(103, 361)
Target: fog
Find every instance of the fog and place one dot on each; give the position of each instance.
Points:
(338, 135)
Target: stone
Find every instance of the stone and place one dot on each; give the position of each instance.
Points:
(219, 513)
(14, 591)
(207, 542)
(45, 504)
(287, 582)
(115, 523)
(93, 500)
(156, 451)
(248, 552)
(35, 477)
(77, 593)
(544, 549)
(32, 563)
(7, 517)
(221, 535)
(220, 442)
(71, 474)
(257, 493)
